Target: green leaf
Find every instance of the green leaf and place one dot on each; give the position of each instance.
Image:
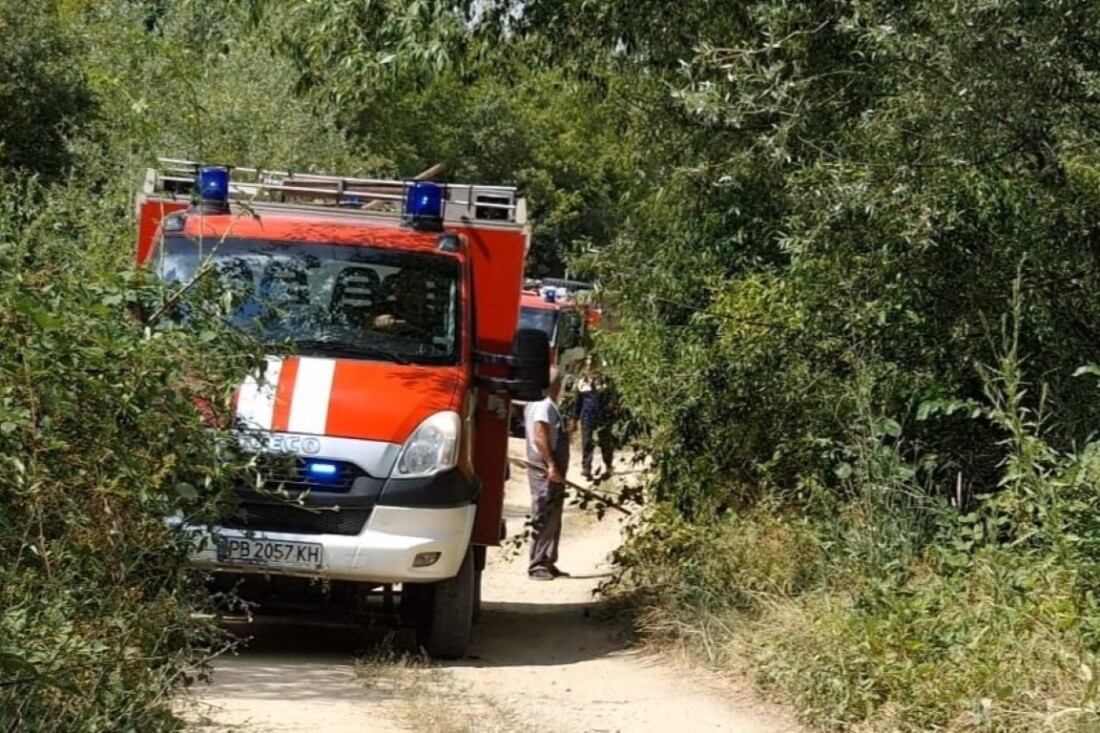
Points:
(956, 559)
(187, 491)
(41, 318)
(13, 665)
(888, 426)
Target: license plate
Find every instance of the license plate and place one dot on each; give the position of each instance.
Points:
(247, 551)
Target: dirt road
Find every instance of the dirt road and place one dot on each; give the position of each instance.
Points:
(542, 660)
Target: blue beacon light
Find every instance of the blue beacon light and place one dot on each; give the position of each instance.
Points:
(213, 188)
(424, 205)
(322, 470)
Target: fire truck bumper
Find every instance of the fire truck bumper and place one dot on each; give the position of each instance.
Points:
(398, 544)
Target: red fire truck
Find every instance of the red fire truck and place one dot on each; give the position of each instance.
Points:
(551, 305)
(389, 423)
(553, 310)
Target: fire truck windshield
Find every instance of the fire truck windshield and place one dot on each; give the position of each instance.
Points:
(333, 299)
(544, 319)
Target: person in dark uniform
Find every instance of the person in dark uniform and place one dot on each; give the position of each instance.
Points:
(592, 408)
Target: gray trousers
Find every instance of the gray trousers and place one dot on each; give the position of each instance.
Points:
(547, 503)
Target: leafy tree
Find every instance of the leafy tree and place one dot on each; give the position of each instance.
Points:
(836, 187)
(834, 203)
(44, 94)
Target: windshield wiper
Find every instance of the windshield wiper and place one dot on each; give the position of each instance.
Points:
(342, 348)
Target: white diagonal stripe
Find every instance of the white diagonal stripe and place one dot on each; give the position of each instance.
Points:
(256, 402)
(312, 389)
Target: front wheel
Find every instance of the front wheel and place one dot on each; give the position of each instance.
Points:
(444, 631)
(480, 552)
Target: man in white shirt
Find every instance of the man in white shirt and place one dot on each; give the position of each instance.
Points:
(548, 462)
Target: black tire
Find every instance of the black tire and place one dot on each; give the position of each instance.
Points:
(480, 554)
(446, 633)
(477, 597)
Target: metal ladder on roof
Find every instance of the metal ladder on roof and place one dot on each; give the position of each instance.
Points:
(463, 202)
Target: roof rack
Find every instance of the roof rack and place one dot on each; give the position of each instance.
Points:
(570, 285)
(374, 197)
(560, 291)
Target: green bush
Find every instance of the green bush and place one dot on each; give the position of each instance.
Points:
(889, 610)
(964, 636)
(736, 562)
(101, 439)
(101, 433)
(996, 646)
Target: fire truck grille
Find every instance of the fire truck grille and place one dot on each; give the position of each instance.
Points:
(297, 519)
(292, 474)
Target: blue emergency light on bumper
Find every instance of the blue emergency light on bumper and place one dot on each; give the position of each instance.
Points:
(322, 470)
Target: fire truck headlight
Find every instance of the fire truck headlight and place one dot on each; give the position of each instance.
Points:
(432, 448)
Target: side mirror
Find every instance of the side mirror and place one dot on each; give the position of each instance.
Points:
(528, 366)
(571, 331)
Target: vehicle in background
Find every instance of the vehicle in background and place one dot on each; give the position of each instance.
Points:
(557, 308)
(382, 440)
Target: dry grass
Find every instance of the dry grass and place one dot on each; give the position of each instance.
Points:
(428, 697)
(388, 667)
(441, 707)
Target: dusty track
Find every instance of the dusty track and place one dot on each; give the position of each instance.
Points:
(542, 660)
